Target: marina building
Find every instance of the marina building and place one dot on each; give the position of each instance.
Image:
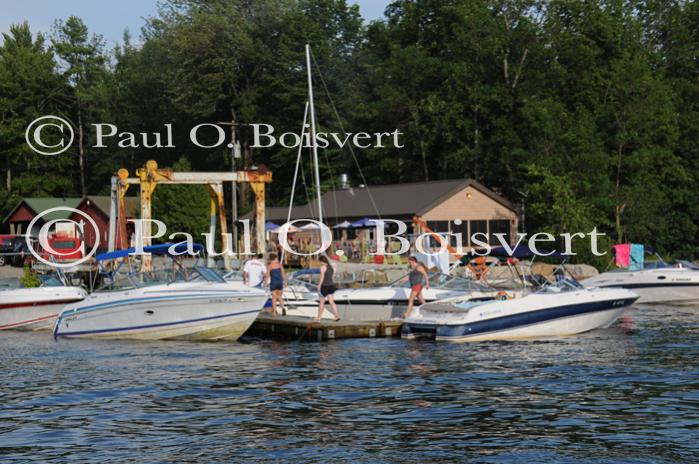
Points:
(460, 206)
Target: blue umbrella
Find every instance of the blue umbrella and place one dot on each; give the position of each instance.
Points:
(269, 225)
(363, 223)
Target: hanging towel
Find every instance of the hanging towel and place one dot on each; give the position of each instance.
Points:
(636, 257)
(622, 254)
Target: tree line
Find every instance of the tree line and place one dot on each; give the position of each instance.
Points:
(585, 112)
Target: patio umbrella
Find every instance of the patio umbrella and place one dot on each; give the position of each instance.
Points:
(363, 223)
(310, 226)
(289, 229)
(270, 226)
(343, 225)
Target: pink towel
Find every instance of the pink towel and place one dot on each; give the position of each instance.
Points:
(622, 253)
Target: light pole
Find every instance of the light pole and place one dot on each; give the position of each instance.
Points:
(235, 153)
(522, 215)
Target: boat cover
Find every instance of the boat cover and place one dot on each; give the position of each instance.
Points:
(161, 249)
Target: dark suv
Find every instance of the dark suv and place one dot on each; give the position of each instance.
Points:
(6, 247)
(16, 253)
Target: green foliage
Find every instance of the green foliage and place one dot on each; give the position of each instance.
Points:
(183, 208)
(30, 87)
(85, 90)
(590, 109)
(29, 278)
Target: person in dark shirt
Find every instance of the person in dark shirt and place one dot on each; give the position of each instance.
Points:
(418, 279)
(276, 278)
(326, 288)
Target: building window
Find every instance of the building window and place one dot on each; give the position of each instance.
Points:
(439, 227)
(391, 228)
(460, 229)
(499, 226)
(478, 227)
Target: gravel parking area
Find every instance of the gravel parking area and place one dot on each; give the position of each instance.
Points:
(8, 271)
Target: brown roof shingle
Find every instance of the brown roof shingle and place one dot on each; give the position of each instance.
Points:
(392, 200)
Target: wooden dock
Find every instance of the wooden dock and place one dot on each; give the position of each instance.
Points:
(302, 328)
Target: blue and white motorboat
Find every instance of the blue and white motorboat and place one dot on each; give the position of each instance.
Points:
(180, 303)
(563, 308)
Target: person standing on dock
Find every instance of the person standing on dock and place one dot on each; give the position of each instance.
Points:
(326, 288)
(418, 279)
(254, 271)
(276, 278)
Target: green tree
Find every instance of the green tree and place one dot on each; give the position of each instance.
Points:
(84, 69)
(29, 88)
(183, 208)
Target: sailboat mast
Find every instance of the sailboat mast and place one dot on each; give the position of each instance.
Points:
(314, 142)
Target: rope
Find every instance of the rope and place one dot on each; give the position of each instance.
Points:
(296, 173)
(342, 128)
(305, 186)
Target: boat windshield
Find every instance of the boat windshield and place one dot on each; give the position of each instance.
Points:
(161, 277)
(49, 280)
(205, 273)
(687, 265)
(298, 283)
(446, 282)
(658, 264)
(562, 285)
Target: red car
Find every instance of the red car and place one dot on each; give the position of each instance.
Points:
(65, 248)
(6, 240)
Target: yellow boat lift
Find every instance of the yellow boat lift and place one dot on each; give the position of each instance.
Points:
(150, 176)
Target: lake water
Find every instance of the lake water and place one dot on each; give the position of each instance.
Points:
(625, 394)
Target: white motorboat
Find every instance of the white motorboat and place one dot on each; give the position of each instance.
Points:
(300, 296)
(389, 302)
(35, 308)
(301, 299)
(658, 283)
(192, 304)
(564, 308)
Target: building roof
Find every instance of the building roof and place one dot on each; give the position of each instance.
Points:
(391, 200)
(43, 203)
(132, 204)
(39, 204)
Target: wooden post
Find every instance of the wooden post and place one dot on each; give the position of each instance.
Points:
(259, 189)
(149, 176)
(212, 220)
(224, 225)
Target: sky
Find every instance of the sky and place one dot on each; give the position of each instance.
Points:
(110, 18)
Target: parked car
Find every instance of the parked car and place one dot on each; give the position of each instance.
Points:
(6, 247)
(65, 248)
(20, 252)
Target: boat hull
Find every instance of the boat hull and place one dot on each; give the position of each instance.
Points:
(670, 294)
(184, 317)
(33, 309)
(30, 317)
(507, 322)
(675, 286)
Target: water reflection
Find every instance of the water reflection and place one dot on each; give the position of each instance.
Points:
(627, 393)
